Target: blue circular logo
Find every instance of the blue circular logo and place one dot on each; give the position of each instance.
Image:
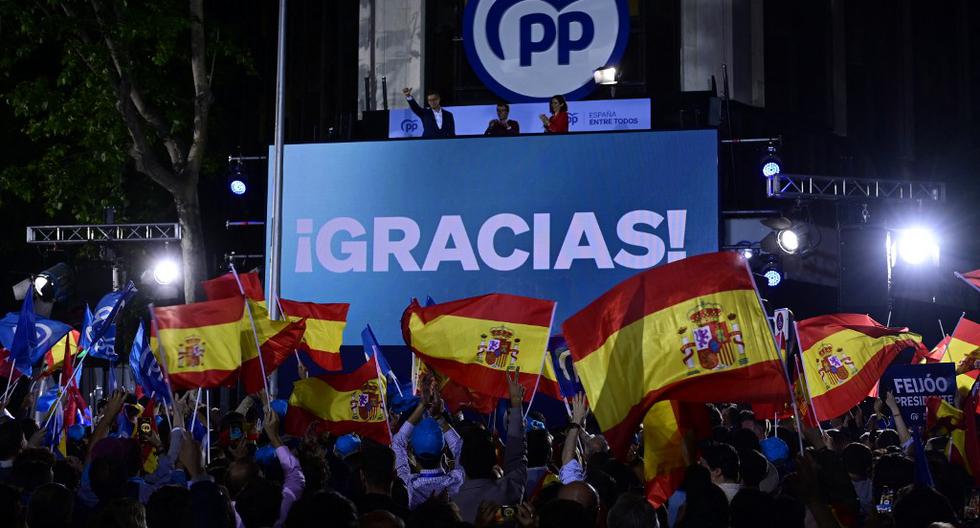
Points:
(530, 50)
(409, 126)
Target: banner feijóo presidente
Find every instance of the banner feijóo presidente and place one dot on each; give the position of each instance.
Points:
(583, 116)
(560, 217)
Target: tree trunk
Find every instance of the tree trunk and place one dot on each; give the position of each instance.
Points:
(192, 240)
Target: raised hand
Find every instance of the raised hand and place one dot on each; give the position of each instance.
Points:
(580, 408)
(271, 426)
(514, 388)
(407, 92)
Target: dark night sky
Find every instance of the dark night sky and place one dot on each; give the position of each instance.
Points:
(911, 71)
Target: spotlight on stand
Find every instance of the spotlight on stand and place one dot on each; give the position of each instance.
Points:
(916, 246)
(161, 278)
(773, 272)
(771, 165)
(788, 241)
(237, 179)
(51, 285)
(607, 75)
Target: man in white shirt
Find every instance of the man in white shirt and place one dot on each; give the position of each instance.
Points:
(436, 120)
(722, 461)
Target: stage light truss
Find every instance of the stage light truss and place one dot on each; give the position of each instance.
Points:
(795, 186)
(104, 233)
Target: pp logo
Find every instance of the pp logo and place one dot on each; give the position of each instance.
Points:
(572, 118)
(409, 126)
(530, 50)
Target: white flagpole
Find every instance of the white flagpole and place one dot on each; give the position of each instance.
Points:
(255, 334)
(197, 403)
(964, 279)
(384, 403)
(208, 416)
(801, 366)
(544, 356)
(275, 238)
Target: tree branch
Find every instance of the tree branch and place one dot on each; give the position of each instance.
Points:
(123, 65)
(142, 152)
(202, 90)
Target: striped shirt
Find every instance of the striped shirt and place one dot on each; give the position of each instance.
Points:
(427, 482)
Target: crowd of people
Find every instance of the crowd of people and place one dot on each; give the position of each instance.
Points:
(135, 468)
(437, 122)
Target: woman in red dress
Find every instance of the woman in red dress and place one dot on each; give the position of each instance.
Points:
(558, 122)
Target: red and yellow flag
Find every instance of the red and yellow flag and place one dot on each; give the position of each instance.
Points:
(670, 432)
(473, 341)
(963, 351)
(844, 355)
(277, 340)
(226, 286)
(341, 404)
(933, 356)
(54, 358)
(324, 330)
(692, 330)
(201, 342)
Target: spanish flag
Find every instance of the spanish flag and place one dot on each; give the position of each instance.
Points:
(473, 341)
(963, 351)
(324, 330)
(340, 404)
(226, 286)
(963, 447)
(670, 432)
(692, 330)
(935, 355)
(844, 355)
(201, 342)
(277, 339)
(54, 358)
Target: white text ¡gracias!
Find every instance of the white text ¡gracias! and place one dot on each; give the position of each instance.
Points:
(451, 243)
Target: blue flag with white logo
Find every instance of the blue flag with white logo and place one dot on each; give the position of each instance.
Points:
(561, 358)
(145, 368)
(429, 301)
(25, 349)
(25, 336)
(85, 339)
(102, 338)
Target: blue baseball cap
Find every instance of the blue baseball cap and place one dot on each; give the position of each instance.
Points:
(427, 438)
(76, 432)
(534, 425)
(347, 445)
(279, 407)
(775, 449)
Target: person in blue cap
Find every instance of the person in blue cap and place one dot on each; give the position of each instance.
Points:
(347, 445)
(427, 437)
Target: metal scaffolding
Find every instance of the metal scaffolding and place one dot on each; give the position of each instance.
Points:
(795, 186)
(103, 233)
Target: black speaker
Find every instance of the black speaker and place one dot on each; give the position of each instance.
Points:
(863, 257)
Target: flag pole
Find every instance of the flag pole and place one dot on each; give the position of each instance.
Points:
(801, 371)
(544, 356)
(789, 388)
(207, 415)
(255, 334)
(197, 403)
(960, 276)
(10, 380)
(161, 358)
(955, 328)
(384, 400)
(941, 331)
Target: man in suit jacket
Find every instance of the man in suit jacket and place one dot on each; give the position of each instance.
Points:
(436, 120)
